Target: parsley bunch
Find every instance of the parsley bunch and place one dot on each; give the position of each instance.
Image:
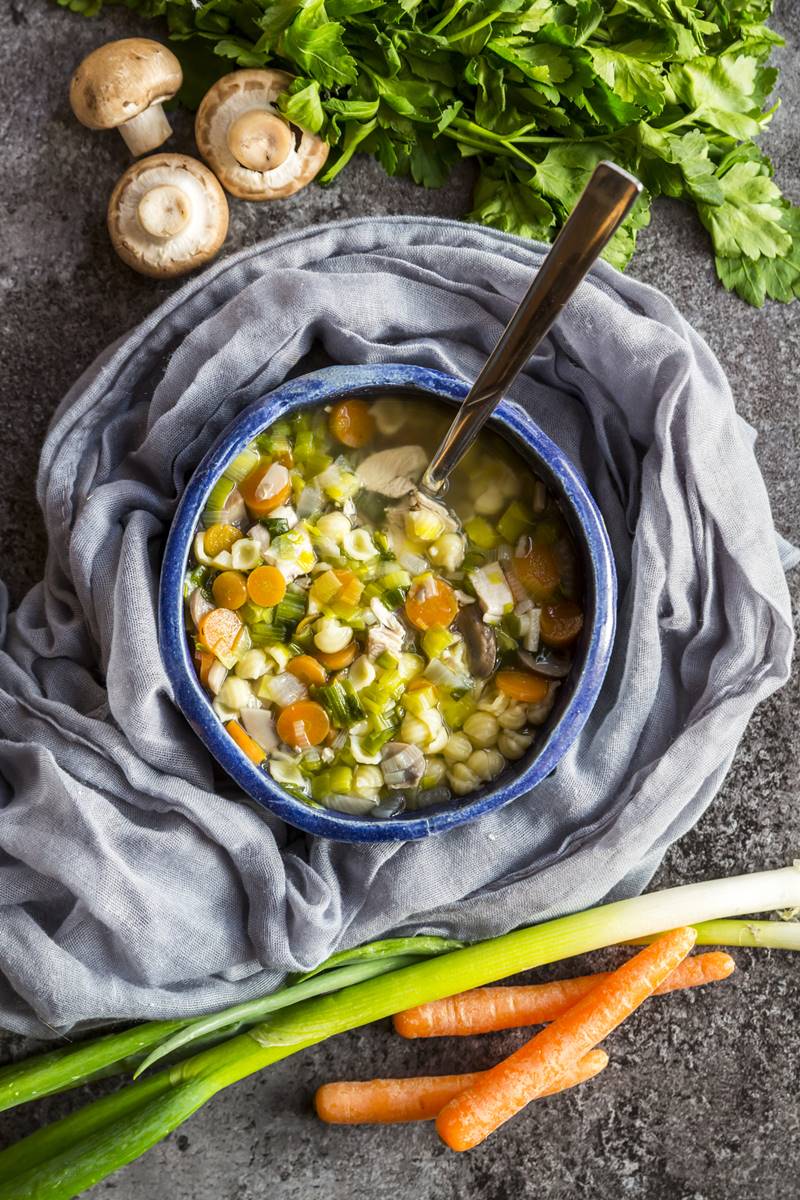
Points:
(536, 92)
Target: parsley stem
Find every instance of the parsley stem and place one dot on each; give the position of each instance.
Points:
(449, 16)
(475, 27)
(688, 119)
(556, 139)
(488, 140)
(486, 147)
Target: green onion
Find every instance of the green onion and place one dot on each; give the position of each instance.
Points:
(382, 720)
(389, 686)
(321, 785)
(481, 534)
(317, 463)
(196, 578)
(396, 577)
(275, 440)
(304, 446)
(243, 464)
(291, 609)
(393, 598)
(275, 526)
(436, 640)
(340, 701)
(66, 1068)
(765, 935)
(512, 625)
(421, 699)
(506, 644)
(265, 633)
(341, 779)
(61, 1070)
(79, 1151)
(516, 520)
(376, 739)
(338, 779)
(221, 503)
(254, 614)
(351, 969)
(456, 710)
(381, 540)
(304, 640)
(472, 560)
(354, 709)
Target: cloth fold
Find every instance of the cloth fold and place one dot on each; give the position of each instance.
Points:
(132, 885)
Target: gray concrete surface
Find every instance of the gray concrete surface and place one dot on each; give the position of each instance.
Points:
(700, 1100)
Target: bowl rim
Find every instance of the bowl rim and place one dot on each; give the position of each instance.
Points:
(320, 387)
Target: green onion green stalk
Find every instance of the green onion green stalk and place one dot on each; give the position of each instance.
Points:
(73, 1154)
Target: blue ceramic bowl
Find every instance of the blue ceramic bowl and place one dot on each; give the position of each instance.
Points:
(577, 696)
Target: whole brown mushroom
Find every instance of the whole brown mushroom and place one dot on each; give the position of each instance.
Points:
(167, 215)
(249, 145)
(122, 85)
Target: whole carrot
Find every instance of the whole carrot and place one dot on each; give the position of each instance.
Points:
(486, 1010)
(506, 1088)
(392, 1101)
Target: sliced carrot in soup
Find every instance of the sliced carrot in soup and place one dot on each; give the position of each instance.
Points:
(560, 623)
(431, 602)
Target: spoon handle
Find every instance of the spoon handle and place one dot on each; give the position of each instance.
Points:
(602, 207)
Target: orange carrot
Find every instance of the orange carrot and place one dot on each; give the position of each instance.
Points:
(245, 742)
(537, 570)
(505, 1089)
(307, 669)
(488, 1009)
(204, 661)
(266, 586)
(265, 488)
(219, 630)
(431, 601)
(337, 660)
(352, 423)
(522, 685)
(220, 537)
(393, 1101)
(560, 624)
(304, 723)
(229, 589)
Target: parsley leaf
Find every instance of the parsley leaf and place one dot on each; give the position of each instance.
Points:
(726, 92)
(302, 105)
(776, 278)
(534, 93)
(749, 221)
(314, 43)
(564, 171)
(512, 207)
(632, 74)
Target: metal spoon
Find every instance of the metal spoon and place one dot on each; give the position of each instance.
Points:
(603, 205)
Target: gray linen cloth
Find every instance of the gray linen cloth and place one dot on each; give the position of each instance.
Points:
(132, 885)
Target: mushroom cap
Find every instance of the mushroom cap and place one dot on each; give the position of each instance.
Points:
(117, 81)
(224, 105)
(167, 215)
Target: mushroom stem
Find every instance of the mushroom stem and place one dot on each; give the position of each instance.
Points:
(147, 130)
(260, 140)
(164, 211)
